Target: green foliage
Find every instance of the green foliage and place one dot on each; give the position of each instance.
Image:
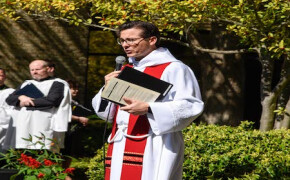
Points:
(81, 166)
(223, 152)
(96, 166)
(101, 42)
(35, 164)
(259, 23)
(280, 111)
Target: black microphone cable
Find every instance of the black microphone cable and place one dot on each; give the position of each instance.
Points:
(119, 63)
(104, 139)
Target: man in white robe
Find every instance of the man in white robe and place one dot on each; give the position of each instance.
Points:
(46, 115)
(164, 149)
(5, 114)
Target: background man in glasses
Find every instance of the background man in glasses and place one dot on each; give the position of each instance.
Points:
(146, 141)
(47, 114)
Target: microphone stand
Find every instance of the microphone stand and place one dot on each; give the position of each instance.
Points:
(79, 105)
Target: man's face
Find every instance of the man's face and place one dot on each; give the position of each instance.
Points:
(38, 70)
(139, 46)
(2, 77)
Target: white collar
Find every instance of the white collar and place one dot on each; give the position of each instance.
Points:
(156, 57)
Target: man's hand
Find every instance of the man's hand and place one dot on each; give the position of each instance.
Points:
(111, 75)
(135, 107)
(25, 101)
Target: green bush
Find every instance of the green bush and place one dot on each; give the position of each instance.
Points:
(223, 152)
(96, 166)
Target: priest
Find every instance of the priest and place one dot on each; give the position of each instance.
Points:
(146, 140)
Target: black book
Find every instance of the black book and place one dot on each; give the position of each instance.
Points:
(145, 80)
(136, 85)
(30, 90)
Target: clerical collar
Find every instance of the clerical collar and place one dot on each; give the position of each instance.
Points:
(3, 87)
(135, 63)
(44, 79)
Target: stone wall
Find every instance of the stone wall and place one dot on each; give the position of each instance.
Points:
(28, 39)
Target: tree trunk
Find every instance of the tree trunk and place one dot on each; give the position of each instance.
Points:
(269, 94)
(282, 102)
(267, 117)
(285, 95)
(286, 120)
(268, 99)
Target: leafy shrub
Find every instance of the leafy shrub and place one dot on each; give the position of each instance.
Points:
(96, 166)
(223, 152)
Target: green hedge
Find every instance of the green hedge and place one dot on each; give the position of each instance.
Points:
(223, 152)
(96, 166)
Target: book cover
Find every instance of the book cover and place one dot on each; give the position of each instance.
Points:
(30, 90)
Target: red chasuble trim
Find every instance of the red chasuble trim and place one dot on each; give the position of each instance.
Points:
(134, 148)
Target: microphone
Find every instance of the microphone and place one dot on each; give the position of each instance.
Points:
(119, 62)
(79, 105)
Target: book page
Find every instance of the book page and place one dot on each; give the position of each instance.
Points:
(116, 89)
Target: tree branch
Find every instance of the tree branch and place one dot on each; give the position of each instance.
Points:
(67, 20)
(216, 51)
(167, 39)
(236, 23)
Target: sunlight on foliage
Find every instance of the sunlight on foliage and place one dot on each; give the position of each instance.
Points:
(259, 23)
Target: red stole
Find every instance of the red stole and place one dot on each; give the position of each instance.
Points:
(134, 148)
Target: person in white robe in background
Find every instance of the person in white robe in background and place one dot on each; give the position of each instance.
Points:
(164, 150)
(48, 115)
(5, 114)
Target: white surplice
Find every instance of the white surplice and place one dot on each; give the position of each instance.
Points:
(52, 123)
(5, 118)
(163, 156)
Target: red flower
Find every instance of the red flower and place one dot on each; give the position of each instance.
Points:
(40, 175)
(69, 170)
(29, 161)
(48, 162)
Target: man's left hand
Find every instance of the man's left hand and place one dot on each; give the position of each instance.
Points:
(135, 107)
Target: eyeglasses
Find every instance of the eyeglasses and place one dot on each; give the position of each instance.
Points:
(129, 41)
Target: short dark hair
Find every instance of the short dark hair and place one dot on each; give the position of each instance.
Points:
(73, 84)
(49, 63)
(149, 29)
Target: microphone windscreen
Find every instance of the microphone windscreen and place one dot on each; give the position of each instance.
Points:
(120, 59)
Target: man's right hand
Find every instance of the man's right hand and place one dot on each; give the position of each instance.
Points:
(111, 75)
(25, 101)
